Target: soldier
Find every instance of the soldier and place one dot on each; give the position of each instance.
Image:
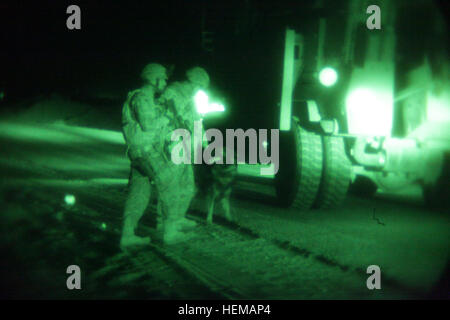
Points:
(146, 125)
(179, 98)
(141, 118)
(179, 95)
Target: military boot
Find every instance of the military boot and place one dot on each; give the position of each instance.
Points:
(186, 224)
(129, 239)
(172, 233)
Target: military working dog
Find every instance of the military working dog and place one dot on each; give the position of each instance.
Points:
(216, 181)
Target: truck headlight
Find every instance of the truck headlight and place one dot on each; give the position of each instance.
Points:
(328, 77)
(369, 112)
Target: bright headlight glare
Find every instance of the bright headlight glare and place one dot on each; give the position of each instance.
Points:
(369, 112)
(328, 76)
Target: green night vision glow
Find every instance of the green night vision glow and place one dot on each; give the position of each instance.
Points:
(369, 111)
(69, 199)
(203, 105)
(328, 77)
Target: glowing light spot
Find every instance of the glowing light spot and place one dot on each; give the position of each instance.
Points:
(216, 107)
(369, 112)
(203, 106)
(69, 199)
(328, 76)
(103, 226)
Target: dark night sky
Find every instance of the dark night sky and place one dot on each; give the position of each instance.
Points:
(39, 55)
(115, 38)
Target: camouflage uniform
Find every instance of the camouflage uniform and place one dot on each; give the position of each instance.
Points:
(178, 99)
(150, 161)
(138, 113)
(179, 96)
(147, 128)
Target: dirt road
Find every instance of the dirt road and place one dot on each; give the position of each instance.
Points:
(269, 253)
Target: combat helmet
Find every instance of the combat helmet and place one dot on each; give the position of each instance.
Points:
(198, 76)
(153, 71)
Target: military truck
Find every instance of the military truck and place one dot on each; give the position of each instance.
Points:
(357, 107)
(361, 111)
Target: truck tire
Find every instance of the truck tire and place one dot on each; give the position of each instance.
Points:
(336, 174)
(298, 178)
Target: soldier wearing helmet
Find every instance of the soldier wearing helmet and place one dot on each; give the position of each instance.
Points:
(155, 75)
(146, 126)
(140, 110)
(179, 95)
(178, 98)
(142, 122)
